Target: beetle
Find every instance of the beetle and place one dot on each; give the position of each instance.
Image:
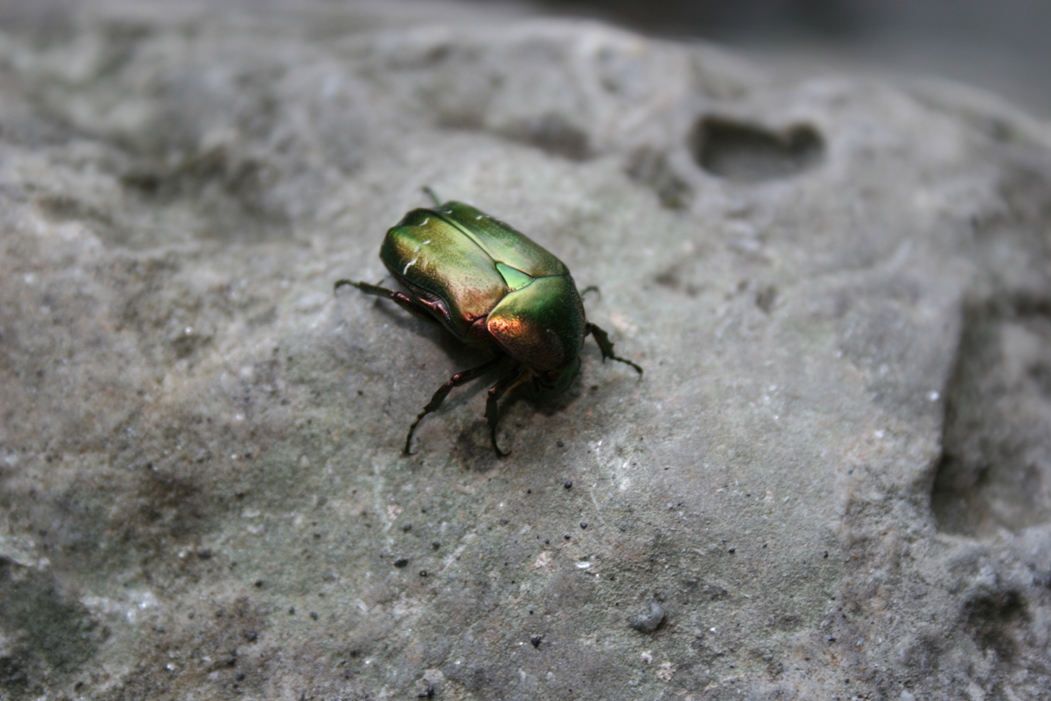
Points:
(490, 286)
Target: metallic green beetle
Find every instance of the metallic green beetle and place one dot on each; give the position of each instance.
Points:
(491, 286)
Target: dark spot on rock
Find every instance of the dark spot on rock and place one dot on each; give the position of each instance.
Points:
(650, 167)
(766, 297)
(995, 621)
(536, 640)
(553, 134)
(401, 562)
(749, 153)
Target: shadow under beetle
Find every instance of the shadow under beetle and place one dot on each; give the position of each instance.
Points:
(490, 286)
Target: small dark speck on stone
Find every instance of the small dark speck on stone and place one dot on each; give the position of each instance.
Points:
(535, 640)
(407, 527)
(560, 444)
(205, 554)
(435, 545)
(567, 536)
(732, 550)
(831, 640)
(649, 621)
(313, 614)
(401, 562)
(826, 555)
(251, 636)
(583, 524)
(547, 541)
(568, 484)
(423, 573)
(258, 584)
(291, 610)
(427, 693)
(240, 676)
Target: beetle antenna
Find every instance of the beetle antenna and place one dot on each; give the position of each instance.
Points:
(606, 346)
(591, 288)
(430, 193)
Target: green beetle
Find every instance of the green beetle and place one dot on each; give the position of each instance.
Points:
(491, 286)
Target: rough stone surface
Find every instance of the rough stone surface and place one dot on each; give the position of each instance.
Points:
(834, 479)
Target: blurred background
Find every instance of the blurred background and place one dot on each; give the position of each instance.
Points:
(1000, 45)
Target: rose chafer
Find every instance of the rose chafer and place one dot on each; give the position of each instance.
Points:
(492, 286)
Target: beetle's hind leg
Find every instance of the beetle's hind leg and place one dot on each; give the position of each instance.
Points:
(509, 381)
(401, 298)
(606, 346)
(456, 380)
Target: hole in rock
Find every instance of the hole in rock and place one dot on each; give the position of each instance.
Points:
(749, 153)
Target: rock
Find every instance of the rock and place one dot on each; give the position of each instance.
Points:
(649, 621)
(835, 471)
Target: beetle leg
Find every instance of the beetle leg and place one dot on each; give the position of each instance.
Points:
(401, 298)
(591, 288)
(456, 380)
(606, 346)
(492, 411)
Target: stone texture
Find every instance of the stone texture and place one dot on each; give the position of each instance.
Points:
(834, 479)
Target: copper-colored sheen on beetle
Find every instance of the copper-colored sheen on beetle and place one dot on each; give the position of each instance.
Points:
(492, 286)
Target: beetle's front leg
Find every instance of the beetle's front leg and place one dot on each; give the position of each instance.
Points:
(606, 346)
(443, 392)
(403, 300)
(509, 381)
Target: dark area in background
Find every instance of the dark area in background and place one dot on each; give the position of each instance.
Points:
(1000, 46)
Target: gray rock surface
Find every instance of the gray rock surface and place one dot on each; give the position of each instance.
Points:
(834, 480)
